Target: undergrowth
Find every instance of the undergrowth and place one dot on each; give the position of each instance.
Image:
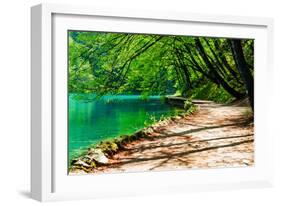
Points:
(210, 91)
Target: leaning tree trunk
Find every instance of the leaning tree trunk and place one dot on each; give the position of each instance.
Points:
(220, 79)
(243, 69)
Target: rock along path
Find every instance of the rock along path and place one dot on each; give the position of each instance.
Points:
(215, 136)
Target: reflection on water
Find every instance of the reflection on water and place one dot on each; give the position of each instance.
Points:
(91, 121)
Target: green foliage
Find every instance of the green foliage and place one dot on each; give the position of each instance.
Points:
(210, 91)
(187, 105)
(152, 120)
(115, 63)
(108, 147)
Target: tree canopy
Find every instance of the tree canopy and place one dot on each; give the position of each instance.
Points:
(149, 64)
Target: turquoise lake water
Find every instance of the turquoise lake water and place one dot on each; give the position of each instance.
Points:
(91, 121)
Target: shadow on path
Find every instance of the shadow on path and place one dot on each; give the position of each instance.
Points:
(174, 155)
(238, 124)
(142, 148)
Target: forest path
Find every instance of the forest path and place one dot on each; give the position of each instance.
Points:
(215, 136)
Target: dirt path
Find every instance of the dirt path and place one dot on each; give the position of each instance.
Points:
(215, 136)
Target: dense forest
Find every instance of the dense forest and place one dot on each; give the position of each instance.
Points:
(218, 69)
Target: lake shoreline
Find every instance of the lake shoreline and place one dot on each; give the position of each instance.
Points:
(98, 154)
(214, 136)
(94, 120)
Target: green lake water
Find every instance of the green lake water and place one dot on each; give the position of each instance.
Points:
(91, 121)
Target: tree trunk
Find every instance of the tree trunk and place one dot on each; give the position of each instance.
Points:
(244, 71)
(184, 68)
(225, 62)
(223, 83)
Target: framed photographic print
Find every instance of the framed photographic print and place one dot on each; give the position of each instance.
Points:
(135, 102)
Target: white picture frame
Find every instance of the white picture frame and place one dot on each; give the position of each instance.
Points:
(49, 179)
